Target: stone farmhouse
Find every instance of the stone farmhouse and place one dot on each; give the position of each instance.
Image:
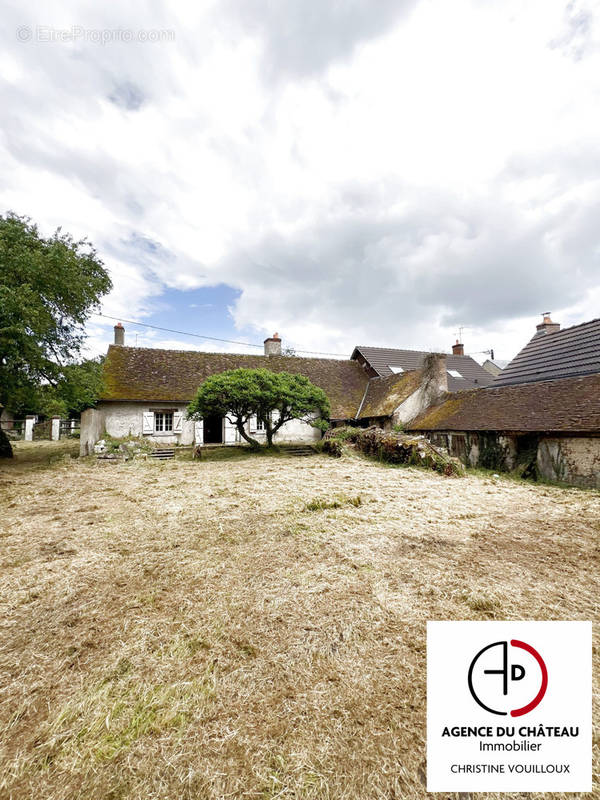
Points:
(147, 390)
(540, 414)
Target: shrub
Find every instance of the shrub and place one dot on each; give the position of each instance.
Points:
(393, 448)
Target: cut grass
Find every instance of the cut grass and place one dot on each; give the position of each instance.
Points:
(255, 628)
(341, 500)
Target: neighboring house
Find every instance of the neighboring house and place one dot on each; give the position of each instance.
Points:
(554, 353)
(463, 371)
(495, 366)
(542, 411)
(147, 392)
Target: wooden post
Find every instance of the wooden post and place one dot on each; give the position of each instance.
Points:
(29, 421)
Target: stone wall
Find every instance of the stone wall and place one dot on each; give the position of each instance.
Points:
(92, 428)
(570, 459)
(119, 420)
(567, 459)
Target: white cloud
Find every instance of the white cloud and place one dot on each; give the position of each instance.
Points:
(382, 173)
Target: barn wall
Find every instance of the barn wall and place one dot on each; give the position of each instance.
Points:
(568, 459)
(572, 459)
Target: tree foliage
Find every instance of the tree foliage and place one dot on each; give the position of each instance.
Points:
(48, 288)
(274, 398)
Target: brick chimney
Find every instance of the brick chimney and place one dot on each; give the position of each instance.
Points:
(119, 334)
(546, 325)
(273, 345)
(458, 349)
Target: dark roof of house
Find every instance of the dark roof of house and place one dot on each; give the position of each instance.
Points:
(568, 353)
(567, 405)
(380, 359)
(384, 395)
(149, 375)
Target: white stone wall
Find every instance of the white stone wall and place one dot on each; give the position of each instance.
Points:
(410, 408)
(125, 419)
(92, 427)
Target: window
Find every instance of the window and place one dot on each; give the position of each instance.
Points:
(163, 421)
(455, 373)
(257, 425)
(395, 370)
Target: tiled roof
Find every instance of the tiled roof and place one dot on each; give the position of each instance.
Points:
(568, 353)
(384, 395)
(567, 405)
(382, 358)
(149, 375)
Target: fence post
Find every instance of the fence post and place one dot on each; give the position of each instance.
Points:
(29, 420)
(55, 435)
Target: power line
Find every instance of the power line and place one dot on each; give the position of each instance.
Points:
(212, 338)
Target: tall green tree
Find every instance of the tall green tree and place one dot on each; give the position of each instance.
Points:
(48, 288)
(274, 398)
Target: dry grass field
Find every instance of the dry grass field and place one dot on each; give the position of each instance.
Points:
(255, 627)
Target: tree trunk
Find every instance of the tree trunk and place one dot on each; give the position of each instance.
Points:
(272, 429)
(6, 450)
(252, 442)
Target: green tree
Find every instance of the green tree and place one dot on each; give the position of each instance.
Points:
(48, 288)
(79, 386)
(273, 397)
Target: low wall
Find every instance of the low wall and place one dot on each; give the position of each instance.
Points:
(567, 459)
(92, 428)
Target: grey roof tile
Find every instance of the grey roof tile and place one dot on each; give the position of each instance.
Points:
(572, 352)
(382, 358)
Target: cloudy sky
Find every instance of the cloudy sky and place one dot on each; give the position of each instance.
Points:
(380, 172)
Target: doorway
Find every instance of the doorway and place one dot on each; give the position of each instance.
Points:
(213, 430)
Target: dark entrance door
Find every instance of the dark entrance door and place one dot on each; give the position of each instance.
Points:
(213, 430)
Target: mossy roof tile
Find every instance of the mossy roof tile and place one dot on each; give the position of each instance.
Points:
(566, 405)
(152, 375)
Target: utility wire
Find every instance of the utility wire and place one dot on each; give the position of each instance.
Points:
(212, 338)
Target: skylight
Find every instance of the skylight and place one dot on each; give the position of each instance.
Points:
(395, 370)
(455, 373)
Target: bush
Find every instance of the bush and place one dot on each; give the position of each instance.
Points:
(393, 448)
(332, 447)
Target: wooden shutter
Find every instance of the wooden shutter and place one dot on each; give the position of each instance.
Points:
(147, 422)
(199, 432)
(177, 422)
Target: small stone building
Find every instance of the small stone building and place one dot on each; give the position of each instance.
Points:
(541, 414)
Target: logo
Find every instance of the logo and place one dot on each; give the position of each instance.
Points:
(493, 681)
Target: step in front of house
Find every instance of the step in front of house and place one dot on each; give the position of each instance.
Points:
(163, 453)
(297, 450)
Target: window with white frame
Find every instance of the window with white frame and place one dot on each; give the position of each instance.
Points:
(258, 425)
(163, 421)
(455, 373)
(395, 370)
